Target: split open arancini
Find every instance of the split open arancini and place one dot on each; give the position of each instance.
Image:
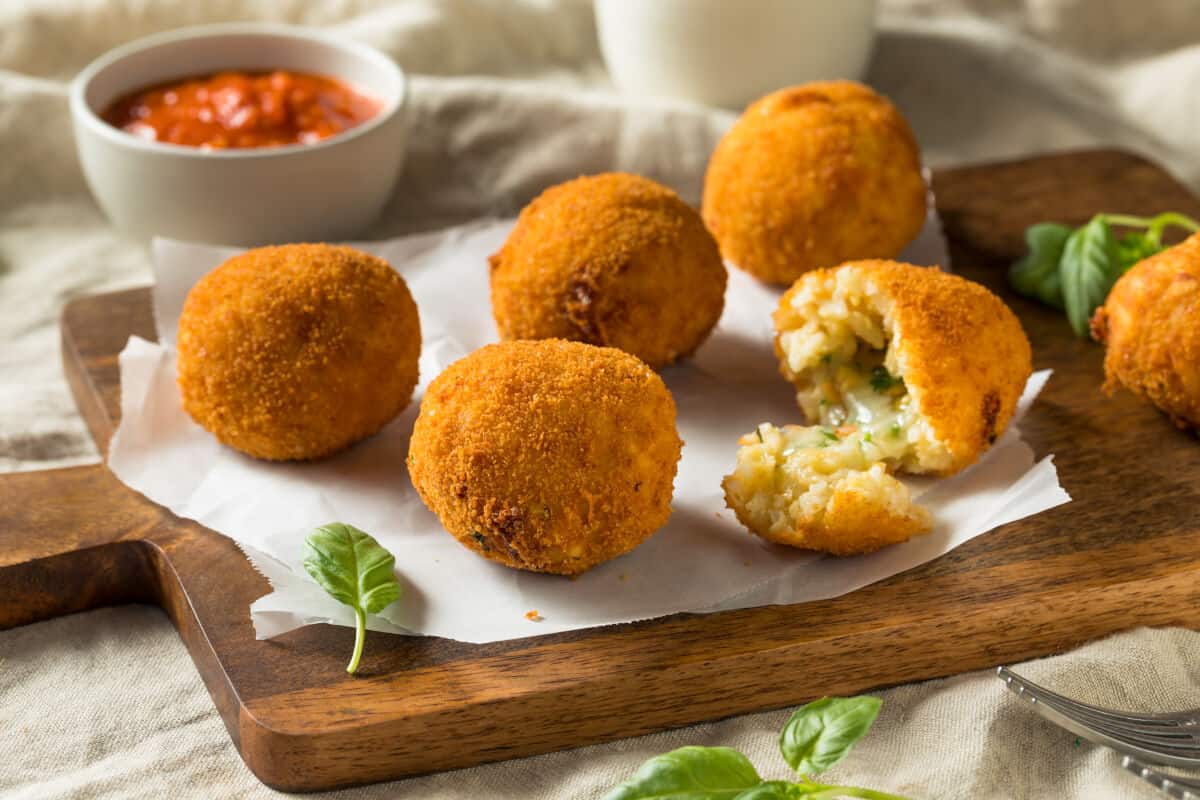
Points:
(897, 368)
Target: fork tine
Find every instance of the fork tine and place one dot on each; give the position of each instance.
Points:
(1183, 747)
(1174, 727)
(1178, 741)
(1183, 757)
(1167, 737)
(1175, 737)
(1186, 747)
(1183, 720)
(1180, 788)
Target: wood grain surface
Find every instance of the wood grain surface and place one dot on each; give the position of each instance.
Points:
(1126, 552)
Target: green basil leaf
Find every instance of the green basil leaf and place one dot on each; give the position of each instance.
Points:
(1133, 247)
(352, 566)
(1036, 273)
(1089, 268)
(691, 773)
(356, 570)
(821, 733)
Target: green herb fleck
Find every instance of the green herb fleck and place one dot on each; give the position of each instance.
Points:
(758, 432)
(867, 436)
(827, 358)
(882, 380)
(356, 570)
(894, 430)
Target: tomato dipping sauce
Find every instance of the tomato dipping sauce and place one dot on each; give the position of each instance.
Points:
(240, 109)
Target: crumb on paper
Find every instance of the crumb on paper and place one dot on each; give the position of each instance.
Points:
(623, 577)
(533, 616)
(746, 564)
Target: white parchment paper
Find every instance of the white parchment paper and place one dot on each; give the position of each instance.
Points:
(703, 560)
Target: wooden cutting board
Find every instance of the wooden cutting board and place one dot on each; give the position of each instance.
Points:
(1125, 553)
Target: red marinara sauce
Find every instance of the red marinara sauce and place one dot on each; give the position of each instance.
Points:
(240, 109)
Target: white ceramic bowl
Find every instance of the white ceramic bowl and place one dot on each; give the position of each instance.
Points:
(729, 52)
(310, 192)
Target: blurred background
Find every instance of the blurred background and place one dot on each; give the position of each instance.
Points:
(508, 97)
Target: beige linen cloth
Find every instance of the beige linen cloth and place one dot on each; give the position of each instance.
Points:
(511, 96)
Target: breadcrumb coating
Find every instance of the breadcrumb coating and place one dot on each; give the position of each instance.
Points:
(297, 351)
(1150, 326)
(547, 455)
(612, 259)
(811, 176)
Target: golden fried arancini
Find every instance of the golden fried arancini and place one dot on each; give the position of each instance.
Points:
(1150, 325)
(812, 176)
(295, 352)
(548, 455)
(615, 260)
(898, 368)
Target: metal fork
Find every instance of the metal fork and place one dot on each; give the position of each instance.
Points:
(1180, 788)
(1154, 738)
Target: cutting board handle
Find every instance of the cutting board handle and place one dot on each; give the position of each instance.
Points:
(71, 541)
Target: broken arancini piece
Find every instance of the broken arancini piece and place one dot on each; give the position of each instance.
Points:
(896, 348)
(615, 260)
(1150, 327)
(812, 176)
(547, 455)
(295, 352)
(899, 369)
(810, 488)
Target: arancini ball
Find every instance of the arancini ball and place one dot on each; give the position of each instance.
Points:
(1150, 326)
(297, 351)
(811, 176)
(615, 260)
(547, 455)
